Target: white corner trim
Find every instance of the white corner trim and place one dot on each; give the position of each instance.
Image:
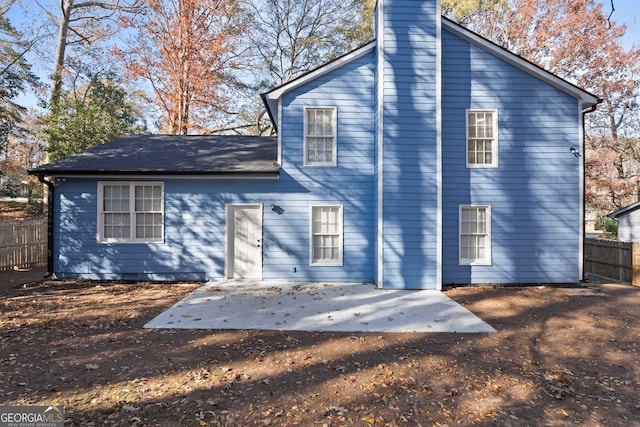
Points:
(582, 195)
(439, 183)
(380, 140)
(279, 134)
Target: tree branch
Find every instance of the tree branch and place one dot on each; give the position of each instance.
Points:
(613, 8)
(20, 56)
(107, 6)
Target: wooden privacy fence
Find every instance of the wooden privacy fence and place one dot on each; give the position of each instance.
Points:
(609, 259)
(23, 244)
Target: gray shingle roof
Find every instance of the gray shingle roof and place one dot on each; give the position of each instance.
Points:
(172, 155)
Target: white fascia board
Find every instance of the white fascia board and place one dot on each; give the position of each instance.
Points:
(134, 177)
(624, 211)
(586, 99)
(272, 98)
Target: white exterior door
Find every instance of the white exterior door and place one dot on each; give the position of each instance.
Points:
(244, 241)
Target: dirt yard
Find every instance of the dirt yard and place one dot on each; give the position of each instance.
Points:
(561, 356)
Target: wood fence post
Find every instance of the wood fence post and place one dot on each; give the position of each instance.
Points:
(621, 262)
(635, 261)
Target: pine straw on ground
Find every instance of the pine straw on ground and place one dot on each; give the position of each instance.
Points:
(560, 357)
(15, 211)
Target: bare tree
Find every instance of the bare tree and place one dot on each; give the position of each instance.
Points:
(291, 37)
(288, 38)
(83, 23)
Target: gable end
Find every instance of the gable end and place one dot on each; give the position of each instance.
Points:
(272, 97)
(587, 99)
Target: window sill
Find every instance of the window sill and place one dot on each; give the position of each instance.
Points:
(482, 166)
(475, 263)
(130, 242)
(326, 264)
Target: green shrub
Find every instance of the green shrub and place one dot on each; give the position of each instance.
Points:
(12, 186)
(610, 227)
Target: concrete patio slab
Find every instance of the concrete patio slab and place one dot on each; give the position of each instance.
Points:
(313, 306)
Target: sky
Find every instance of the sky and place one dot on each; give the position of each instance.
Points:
(626, 11)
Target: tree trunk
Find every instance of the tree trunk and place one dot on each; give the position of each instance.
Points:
(58, 67)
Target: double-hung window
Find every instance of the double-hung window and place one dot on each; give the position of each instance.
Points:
(482, 138)
(326, 235)
(130, 212)
(475, 235)
(320, 136)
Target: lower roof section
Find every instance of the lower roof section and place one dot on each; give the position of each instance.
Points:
(174, 155)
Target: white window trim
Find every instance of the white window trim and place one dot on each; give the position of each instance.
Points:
(334, 160)
(487, 260)
(132, 238)
(340, 261)
(495, 145)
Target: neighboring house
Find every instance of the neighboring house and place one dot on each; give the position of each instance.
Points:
(628, 222)
(429, 156)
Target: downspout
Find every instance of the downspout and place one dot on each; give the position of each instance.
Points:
(591, 109)
(50, 199)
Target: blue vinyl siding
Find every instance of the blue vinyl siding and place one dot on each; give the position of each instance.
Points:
(350, 89)
(534, 193)
(409, 156)
(195, 215)
(194, 232)
(389, 192)
(195, 229)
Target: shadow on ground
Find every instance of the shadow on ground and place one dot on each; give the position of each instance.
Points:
(559, 357)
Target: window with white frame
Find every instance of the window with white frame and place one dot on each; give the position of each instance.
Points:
(320, 136)
(130, 212)
(482, 138)
(475, 235)
(326, 235)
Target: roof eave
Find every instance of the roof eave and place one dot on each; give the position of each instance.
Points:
(270, 104)
(272, 97)
(624, 211)
(258, 174)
